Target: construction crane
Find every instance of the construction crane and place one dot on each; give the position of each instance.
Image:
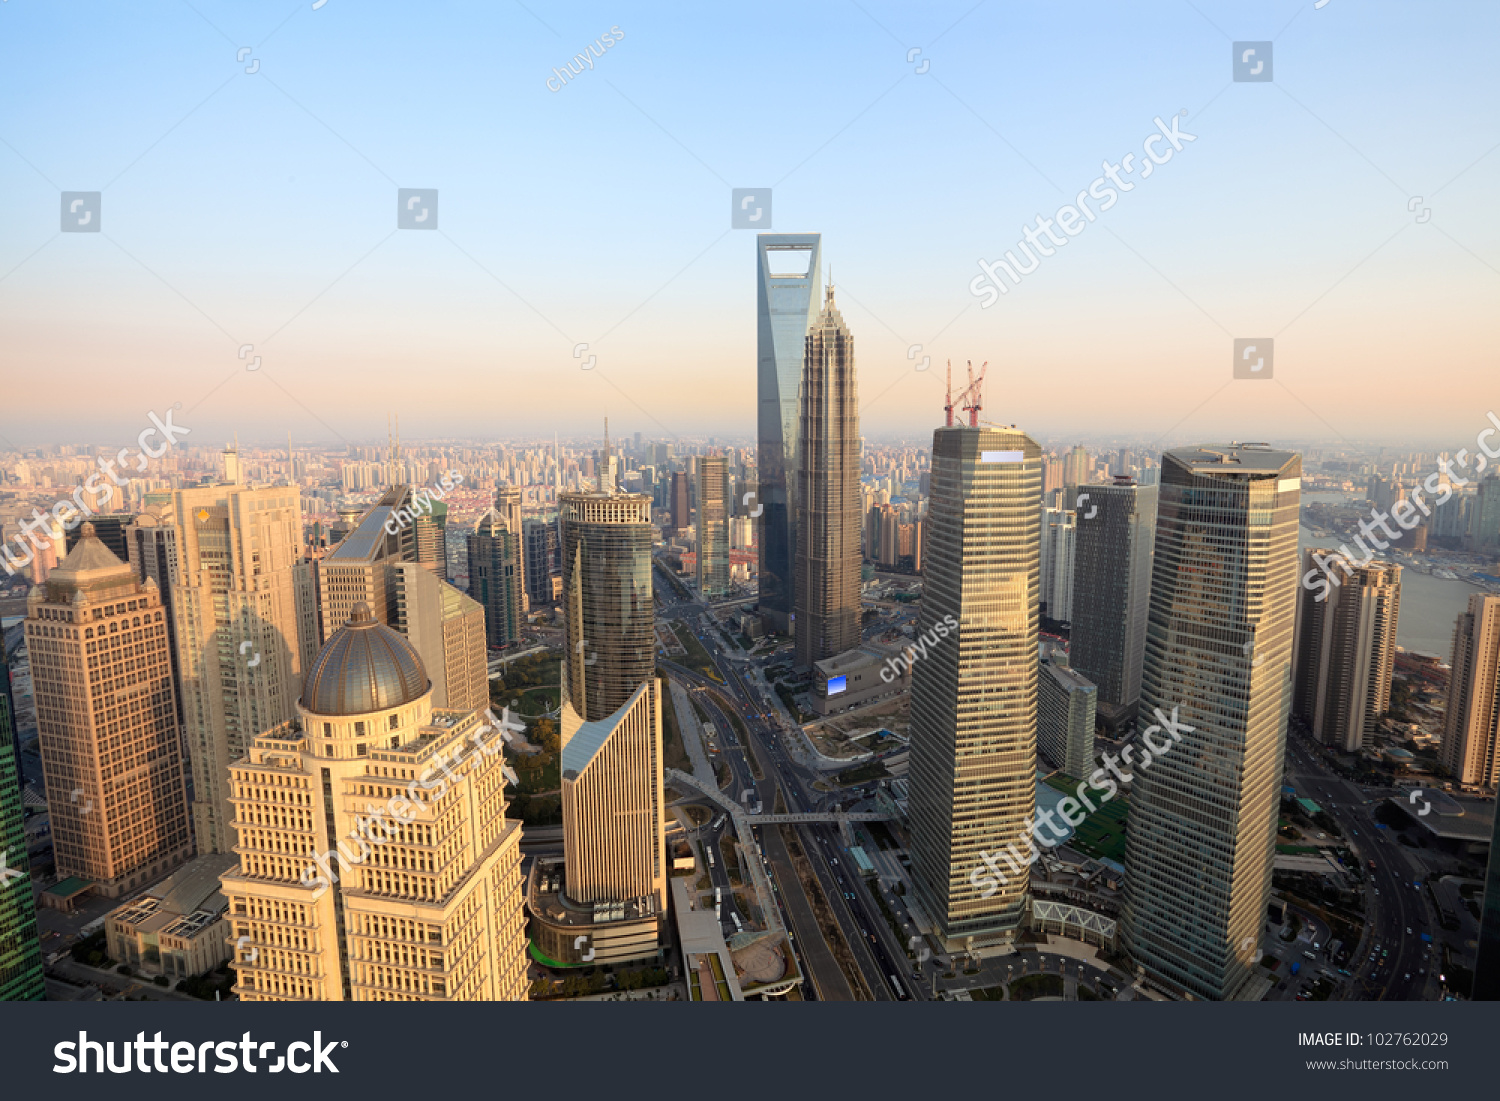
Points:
(948, 400)
(970, 397)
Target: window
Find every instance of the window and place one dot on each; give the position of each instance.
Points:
(395, 721)
(359, 730)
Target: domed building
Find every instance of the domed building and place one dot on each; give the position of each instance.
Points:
(375, 859)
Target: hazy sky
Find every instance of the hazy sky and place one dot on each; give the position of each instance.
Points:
(260, 208)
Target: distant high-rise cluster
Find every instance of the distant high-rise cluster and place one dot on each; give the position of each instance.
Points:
(1346, 652)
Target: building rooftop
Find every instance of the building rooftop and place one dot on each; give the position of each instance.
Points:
(589, 738)
(1232, 458)
(364, 667)
(1069, 678)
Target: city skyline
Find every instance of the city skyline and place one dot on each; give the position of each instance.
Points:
(814, 675)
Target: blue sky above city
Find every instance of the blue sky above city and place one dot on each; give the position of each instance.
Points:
(259, 208)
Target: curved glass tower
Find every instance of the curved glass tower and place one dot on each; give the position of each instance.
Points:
(606, 545)
(787, 306)
(1219, 663)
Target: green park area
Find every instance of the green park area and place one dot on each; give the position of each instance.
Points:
(1102, 834)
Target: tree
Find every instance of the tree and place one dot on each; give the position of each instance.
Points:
(547, 735)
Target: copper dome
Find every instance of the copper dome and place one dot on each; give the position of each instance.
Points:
(364, 667)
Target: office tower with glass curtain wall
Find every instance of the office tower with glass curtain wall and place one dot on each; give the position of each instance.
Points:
(21, 975)
(788, 267)
(713, 526)
(613, 835)
(1116, 528)
(497, 570)
(974, 694)
(1205, 795)
(826, 570)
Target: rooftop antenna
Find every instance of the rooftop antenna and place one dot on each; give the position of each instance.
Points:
(948, 400)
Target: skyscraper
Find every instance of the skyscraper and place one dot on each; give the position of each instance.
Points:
(827, 497)
(496, 568)
(21, 978)
(1218, 664)
(681, 513)
(151, 542)
(540, 549)
(788, 266)
(607, 599)
(613, 836)
(376, 862)
(1067, 703)
(1077, 466)
(1059, 532)
(974, 694)
(1471, 727)
(245, 631)
(713, 526)
(1487, 962)
(1112, 591)
(111, 754)
(1345, 651)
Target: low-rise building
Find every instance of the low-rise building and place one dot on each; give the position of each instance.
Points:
(854, 678)
(178, 927)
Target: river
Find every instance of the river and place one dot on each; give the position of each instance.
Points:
(1429, 605)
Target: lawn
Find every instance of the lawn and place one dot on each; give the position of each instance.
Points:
(674, 753)
(872, 770)
(1029, 987)
(697, 658)
(1102, 834)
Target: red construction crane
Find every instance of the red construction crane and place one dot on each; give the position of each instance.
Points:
(970, 397)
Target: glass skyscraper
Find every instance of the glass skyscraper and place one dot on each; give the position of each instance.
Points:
(497, 569)
(1116, 525)
(1218, 656)
(786, 295)
(1487, 963)
(607, 599)
(20, 952)
(974, 691)
(713, 526)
